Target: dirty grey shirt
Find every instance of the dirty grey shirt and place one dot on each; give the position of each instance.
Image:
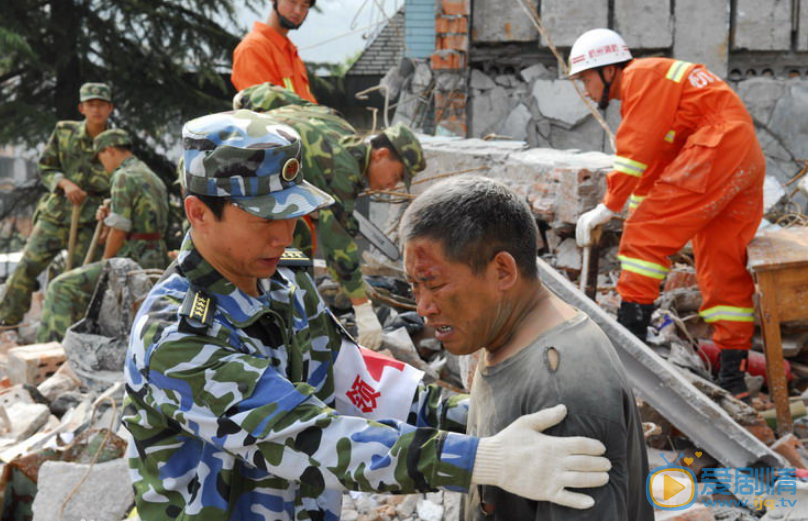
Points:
(589, 379)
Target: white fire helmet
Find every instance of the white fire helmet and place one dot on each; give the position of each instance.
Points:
(597, 48)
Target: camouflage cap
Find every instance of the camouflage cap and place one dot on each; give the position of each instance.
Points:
(100, 91)
(265, 97)
(115, 137)
(408, 149)
(251, 159)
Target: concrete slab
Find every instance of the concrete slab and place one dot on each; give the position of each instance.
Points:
(539, 71)
(481, 81)
(802, 29)
(762, 25)
(498, 21)
(791, 128)
(760, 95)
(632, 19)
(708, 47)
(106, 493)
(566, 20)
(515, 125)
(488, 110)
(558, 100)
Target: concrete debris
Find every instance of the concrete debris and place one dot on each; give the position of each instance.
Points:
(568, 255)
(536, 72)
(105, 491)
(559, 101)
(33, 364)
(694, 513)
(773, 193)
(481, 81)
(515, 125)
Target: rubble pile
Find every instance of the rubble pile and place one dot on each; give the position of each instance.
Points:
(61, 442)
(62, 445)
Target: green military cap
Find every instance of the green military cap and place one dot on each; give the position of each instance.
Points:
(100, 91)
(408, 149)
(115, 137)
(265, 97)
(252, 160)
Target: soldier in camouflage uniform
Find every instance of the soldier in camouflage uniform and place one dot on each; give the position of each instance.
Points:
(341, 163)
(136, 221)
(73, 176)
(245, 399)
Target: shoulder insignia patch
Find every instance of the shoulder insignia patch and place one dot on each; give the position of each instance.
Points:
(294, 258)
(196, 312)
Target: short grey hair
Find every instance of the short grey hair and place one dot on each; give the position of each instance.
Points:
(474, 218)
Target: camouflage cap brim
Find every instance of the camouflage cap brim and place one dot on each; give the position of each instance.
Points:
(295, 201)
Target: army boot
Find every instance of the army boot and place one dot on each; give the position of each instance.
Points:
(635, 317)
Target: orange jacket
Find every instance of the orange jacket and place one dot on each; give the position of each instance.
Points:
(666, 106)
(266, 55)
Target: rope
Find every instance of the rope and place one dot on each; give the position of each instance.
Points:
(531, 12)
(95, 456)
(799, 174)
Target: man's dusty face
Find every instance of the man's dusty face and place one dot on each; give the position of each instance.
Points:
(461, 306)
(96, 111)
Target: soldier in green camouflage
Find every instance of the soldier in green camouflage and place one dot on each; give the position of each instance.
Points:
(246, 400)
(135, 221)
(341, 163)
(73, 176)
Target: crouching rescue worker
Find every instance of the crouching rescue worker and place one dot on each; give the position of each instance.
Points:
(135, 222)
(245, 400)
(691, 167)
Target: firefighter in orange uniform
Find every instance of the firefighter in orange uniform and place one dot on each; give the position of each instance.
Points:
(267, 54)
(691, 167)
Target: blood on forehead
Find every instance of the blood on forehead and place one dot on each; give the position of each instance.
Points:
(424, 260)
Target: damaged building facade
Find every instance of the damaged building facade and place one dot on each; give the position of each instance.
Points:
(491, 72)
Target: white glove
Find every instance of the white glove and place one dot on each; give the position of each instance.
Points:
(589, 221)
(522, 461)
(370, 330)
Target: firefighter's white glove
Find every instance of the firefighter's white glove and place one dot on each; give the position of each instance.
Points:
(368, 326)
(523, 461)
(589, 221)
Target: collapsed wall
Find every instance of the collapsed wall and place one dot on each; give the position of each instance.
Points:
(559, 185)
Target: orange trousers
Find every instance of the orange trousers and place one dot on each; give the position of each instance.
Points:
(712, 193)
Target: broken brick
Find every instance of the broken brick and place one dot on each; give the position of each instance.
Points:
(455, 7)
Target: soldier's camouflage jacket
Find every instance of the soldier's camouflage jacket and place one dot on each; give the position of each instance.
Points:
(139, 205)
(232, 410)
(69, 154)
(335, 160)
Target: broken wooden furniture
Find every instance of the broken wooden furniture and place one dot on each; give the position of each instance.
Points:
(779, 263)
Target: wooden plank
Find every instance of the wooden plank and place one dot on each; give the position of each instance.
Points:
(786, 248)
(775, 373)
(791, 286)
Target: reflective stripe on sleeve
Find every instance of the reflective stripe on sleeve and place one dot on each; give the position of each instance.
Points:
(629, 166)
(634, 201)
(728, 313)
(641, 267)
(287, 83)
(677, 70)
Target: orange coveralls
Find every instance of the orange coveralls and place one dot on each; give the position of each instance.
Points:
(688, 158)
(266, 55)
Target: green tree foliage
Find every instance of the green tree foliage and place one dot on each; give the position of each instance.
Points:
(165, 59)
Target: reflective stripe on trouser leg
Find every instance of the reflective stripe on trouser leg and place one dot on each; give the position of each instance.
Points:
(639, 280)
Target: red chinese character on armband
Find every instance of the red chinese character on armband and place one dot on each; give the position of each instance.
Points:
(362, 395)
